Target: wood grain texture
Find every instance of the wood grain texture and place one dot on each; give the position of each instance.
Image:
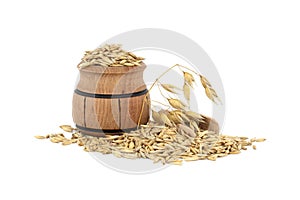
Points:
(102, 113)
(130, 111)
(111, 80)
(112, 114)
(78, 109)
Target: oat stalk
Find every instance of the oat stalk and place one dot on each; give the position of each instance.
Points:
(147, 94)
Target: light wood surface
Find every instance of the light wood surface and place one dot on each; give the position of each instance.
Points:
(105, 113)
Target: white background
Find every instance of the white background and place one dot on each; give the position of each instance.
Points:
(254, 44)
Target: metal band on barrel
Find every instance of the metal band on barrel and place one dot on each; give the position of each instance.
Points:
(105, 130)
(111, 96)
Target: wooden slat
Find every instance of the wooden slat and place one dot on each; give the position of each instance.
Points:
(130, 111)
(78, 109)
(102, 113)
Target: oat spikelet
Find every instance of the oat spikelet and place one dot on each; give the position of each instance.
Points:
(165, 119)
(156, 117)
(194, 115)
(189, 78)
(181, 114)
(176, 103)
(174, 117)
(170, 88)
(205, 83)
(209, 94)
(209, 91)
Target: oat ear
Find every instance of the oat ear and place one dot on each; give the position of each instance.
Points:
(188, 78)
(209, 90)
(176, 103)
(170, 88)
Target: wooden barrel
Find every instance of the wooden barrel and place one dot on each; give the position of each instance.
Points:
(109, 100)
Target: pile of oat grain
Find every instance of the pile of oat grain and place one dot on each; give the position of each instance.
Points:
(109, 55)
(159, 143)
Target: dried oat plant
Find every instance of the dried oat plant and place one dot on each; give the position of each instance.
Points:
(175, 103)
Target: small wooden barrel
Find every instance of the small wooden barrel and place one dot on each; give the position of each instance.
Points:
(109, 100)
